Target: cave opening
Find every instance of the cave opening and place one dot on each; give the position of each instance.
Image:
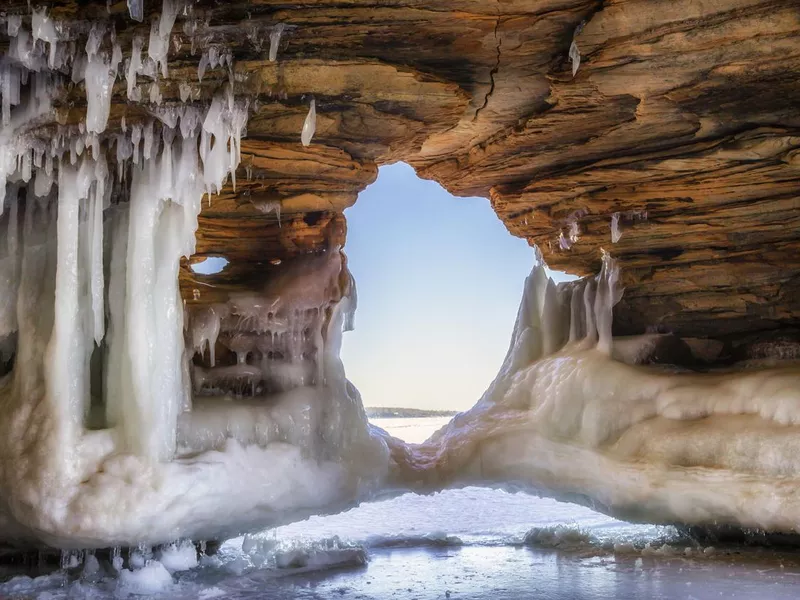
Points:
(439, 280)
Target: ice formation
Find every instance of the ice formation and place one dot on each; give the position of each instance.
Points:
(616, 233)
(310, 124)
(129, 417)
(275, 41)
(574, 57)
(565, 419)
(104, 441)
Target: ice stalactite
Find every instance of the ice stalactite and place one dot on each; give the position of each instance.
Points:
(616, 233)
(574, 57)
(158, 46)
(136, 10)
(134, 67)
(275, 41)
(574, 51)
(269, 206)
(310, 124)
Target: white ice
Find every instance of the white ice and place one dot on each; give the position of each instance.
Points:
(310, 124)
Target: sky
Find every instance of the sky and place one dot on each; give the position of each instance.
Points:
(439, 280)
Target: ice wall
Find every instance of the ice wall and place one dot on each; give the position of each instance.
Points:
(564, 418)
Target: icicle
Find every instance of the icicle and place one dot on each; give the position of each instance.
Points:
(134, 66)
(201, 66)
(310, 124)
(43, 28)
(275, 41)
(9, 271)
(574, 57)
(136, 10)
(574, 231)
(185, 90)
(97, 282)
(268, 206)
(158, 46)
(155, 94)
(13, 23)
(67, 351)
(616, 232)
(99, 81)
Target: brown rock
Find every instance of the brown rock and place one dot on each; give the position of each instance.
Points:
(686, 111)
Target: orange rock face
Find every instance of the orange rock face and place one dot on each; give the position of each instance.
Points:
(681, 123)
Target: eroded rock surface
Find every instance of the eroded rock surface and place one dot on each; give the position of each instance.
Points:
(678, 120)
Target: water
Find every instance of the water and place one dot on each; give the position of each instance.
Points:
(468, 543)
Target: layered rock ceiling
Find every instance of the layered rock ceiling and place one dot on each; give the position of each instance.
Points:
(683, 118)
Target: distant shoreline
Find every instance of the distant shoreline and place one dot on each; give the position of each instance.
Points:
(381, 412)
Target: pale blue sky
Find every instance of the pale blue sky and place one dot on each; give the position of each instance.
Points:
(439, 281)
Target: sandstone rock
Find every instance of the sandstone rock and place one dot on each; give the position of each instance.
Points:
(682, 111)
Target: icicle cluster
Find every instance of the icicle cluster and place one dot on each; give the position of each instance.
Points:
(631, 215)
(122, 212)
(556, 314)
(276, 336)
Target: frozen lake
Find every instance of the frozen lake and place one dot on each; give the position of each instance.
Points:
(469, 543)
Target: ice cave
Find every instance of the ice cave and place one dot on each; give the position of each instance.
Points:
(174, 284)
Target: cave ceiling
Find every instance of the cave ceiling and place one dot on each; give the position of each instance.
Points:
(681, 125)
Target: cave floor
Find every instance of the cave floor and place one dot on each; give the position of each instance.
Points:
(479, 572)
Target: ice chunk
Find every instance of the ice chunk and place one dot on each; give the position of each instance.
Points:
(180, 556)
(310, 124)
(151, 579)
(326, 554)
(563, 537)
